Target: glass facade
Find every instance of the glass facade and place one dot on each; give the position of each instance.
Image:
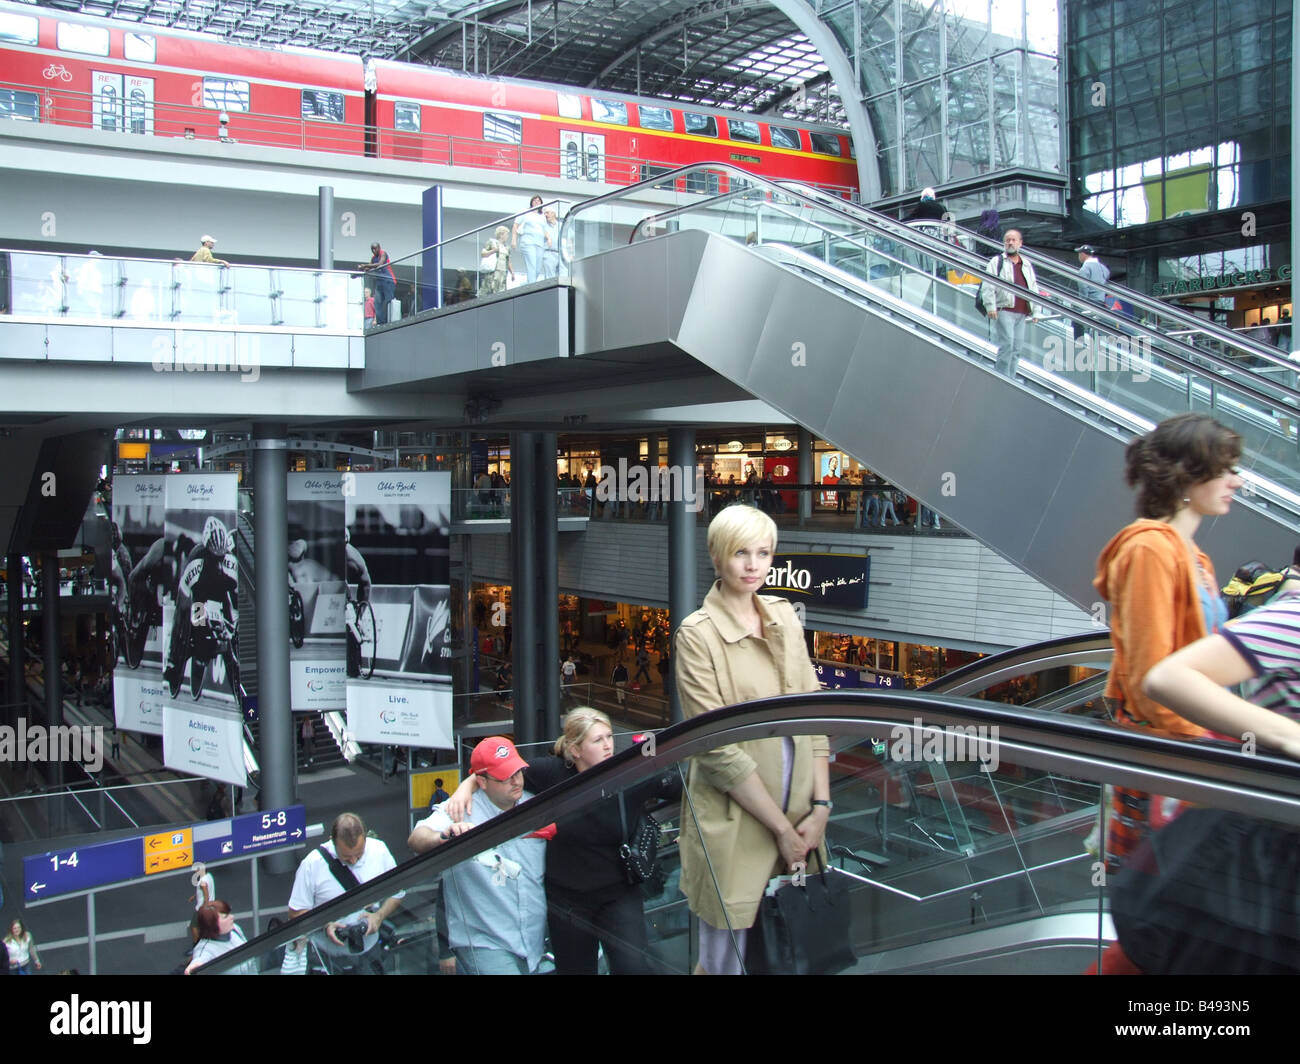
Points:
(1177, 107)
(954, 89)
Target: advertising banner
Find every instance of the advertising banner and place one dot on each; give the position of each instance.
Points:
(201, 625)
(205, 741)
(142, 576)
(317, 592)
(397, 614)
(821, 579)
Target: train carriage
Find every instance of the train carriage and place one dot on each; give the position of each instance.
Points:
(136, 79)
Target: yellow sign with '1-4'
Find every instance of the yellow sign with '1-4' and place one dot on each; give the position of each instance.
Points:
(168, 850)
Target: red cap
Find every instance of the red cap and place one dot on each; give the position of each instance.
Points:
(497, 757)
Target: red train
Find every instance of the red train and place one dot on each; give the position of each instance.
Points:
(133, 78)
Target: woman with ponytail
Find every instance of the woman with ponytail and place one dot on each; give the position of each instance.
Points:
(589, 901)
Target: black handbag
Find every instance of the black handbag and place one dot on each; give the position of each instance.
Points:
(1213, 893)
(639, 853)
(803, 930)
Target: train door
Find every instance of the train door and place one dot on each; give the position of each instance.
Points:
(138, 117)
(106, 102)
(582, 155)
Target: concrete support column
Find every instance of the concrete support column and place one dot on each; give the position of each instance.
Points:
(52, 653)
(15, 695)
(682, 600)
(524, 586)
(271, 531)
(806, 473)
(548, 584)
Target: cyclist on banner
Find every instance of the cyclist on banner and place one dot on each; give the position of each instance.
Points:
(358, 572)
(160, 567)
(211, 574)
(121, 566)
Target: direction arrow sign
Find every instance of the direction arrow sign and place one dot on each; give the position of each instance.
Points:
(167, 850)
(269, 830)
(47, 875)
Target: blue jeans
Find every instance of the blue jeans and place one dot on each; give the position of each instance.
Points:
(383, 296)
(473, 961)
(532, 261)
(1009, 327)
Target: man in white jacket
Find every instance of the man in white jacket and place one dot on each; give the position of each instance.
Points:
(1009, 311)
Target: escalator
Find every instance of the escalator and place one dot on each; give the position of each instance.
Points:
(954, 862)
(852, 326)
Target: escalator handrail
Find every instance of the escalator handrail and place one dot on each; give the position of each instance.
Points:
(1128, 295)
(1259, 784)
(959, 680)
(1270, 393)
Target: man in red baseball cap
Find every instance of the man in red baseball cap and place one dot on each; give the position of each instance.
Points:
(496, 904)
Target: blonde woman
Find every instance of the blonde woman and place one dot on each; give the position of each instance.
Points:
(588, 899)
(22, 950)
(758, 807)
(495, 258)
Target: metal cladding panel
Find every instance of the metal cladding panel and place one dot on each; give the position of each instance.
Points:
(308, 350)
(80, 343)
(143, 345)
(20, 339)
(737, 308)
(261, 350)
(532, 327)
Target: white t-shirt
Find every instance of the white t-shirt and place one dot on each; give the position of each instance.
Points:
(314, 884)
(211, 884)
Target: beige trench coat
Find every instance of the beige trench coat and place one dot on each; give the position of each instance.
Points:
(717, 664)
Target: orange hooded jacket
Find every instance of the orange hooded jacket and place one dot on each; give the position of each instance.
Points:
(1146, 574)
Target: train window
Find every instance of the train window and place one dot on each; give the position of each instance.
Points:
(75, 37)
(570, 106)
(140, 47)
(322, 106)
(649, 170)
(742, 130)
(503, 128)
(784, 137)
(655, 117)
(825, 143)
(704, 181)
(21, 29)
(406, 117)
(223, 94)
(700, 125)
(612, 111)
(24, 106)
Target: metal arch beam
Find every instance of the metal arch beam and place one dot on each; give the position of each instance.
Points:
(702, 13)
(841, 70)
(450, 24)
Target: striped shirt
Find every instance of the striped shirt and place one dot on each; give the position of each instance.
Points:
(1268, 639)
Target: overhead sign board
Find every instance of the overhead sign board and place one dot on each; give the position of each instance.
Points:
(60, 872)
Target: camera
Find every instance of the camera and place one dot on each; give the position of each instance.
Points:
(354, 937)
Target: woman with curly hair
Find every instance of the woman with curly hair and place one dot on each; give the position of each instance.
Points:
(1161, 587)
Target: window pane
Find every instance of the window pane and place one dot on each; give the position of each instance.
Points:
(570, 105)
(784, 137)
(612, 111)
(655, 117)
(406, 117)
(742, 130)
(703, 125)
(322, 106)
(503, 128)
(222, 94)
(825, 143)
(74, 37)
(140, 47)
(21, 29)
(24, 106)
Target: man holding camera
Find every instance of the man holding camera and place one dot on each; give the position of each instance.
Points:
(346, 861)
(496, 904)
